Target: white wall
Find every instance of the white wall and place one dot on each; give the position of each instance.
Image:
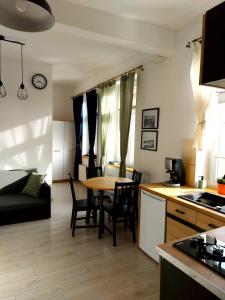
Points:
(167, 86)
(25, 126)
(62, 102)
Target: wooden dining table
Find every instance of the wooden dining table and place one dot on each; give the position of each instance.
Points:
(102, 184)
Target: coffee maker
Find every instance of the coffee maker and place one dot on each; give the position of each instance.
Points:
(175, 168)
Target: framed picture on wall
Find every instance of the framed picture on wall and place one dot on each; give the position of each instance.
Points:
(150, 118)
(149, 140)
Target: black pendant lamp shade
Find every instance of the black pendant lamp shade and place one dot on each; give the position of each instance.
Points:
(26, 15)
(2, 88)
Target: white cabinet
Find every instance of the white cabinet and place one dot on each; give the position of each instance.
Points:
(63, 149)
(152, 223)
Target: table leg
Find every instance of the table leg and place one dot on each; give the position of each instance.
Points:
(101, 215)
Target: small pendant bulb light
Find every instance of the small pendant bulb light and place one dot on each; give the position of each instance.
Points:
(2, 88)
(22, 92)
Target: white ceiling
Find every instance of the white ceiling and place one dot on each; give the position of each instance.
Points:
(75, 56)
(168, 13)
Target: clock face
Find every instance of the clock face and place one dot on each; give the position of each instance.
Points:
(39, 81)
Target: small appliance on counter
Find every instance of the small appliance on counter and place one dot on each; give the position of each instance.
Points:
(175, 168)
(205, 249)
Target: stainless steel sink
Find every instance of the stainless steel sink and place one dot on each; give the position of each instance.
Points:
(209, 200)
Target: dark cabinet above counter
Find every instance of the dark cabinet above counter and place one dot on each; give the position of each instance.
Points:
(213, 47)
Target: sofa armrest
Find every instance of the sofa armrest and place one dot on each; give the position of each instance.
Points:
(45, 192)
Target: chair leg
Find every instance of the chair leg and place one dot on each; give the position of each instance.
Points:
(133, 227)
(103, 222)
(74, 223)
(72, 217)
(95, 216)
(125, 222)
(101, 214)
(114, 231)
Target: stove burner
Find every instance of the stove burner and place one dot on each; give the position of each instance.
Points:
(205, 249)
(218, 251)
(196, 241)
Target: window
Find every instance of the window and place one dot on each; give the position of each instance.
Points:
(217, 140)
(113, 136)
(113, 140)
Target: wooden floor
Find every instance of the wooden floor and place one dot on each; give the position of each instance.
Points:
(40, 260)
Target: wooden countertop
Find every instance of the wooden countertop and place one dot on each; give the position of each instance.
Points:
(194, 269)
(171, 193)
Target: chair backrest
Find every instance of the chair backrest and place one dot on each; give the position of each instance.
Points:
(123, 194)
(94, 172)
(136, 176)
(72, 189)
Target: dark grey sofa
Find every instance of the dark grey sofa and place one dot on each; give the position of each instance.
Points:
(16, 207)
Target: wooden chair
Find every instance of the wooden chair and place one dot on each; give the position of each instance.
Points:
(92, 196)
(81, 206)
(121, 209)
(136, 176)
(96, 172)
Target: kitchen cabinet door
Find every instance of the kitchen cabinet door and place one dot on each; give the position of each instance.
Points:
(152, 223)
(176, 230)
(208, 223)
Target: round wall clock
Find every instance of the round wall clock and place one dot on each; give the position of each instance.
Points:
(39, 81)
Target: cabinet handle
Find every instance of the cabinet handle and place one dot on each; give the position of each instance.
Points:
(212, 225)
(180, 211)
(56, 151)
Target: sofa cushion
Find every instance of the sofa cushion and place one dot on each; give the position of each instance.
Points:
(32, 188)
(18, 201)
(13, 181)
(15, 187)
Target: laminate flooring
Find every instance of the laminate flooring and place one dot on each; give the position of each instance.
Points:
(40, 260)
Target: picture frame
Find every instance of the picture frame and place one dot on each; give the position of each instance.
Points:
(149, 140)
(150, 118)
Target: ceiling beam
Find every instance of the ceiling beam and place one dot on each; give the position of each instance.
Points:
(113, 29)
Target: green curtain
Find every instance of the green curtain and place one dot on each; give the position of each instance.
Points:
(106, 91)
(126, 99)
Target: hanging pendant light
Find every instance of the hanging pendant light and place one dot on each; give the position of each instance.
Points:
(26, 15)
(22, 92)
(2, 88)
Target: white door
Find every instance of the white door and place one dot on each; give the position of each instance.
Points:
(57, 147)
(152, 223)
(69, 149)
(57, 165)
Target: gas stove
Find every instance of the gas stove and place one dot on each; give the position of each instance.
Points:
(205, 249)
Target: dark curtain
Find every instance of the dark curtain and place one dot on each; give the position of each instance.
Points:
(92, 102)
(78, 118)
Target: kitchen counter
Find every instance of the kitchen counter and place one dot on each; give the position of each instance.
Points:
(171, 193)
(200, 273)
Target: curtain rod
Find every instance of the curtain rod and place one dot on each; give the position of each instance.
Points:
(198, 40)
(141, 67)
